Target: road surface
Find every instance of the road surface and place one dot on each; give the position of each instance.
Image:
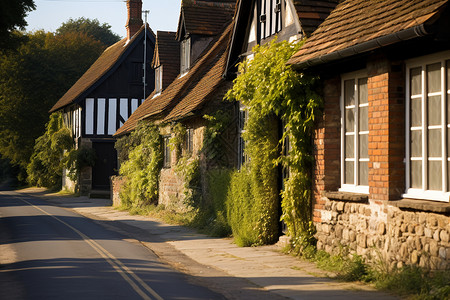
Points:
(48, 252)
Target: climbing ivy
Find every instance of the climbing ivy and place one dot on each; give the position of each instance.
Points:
(268, 89)
(140, 165)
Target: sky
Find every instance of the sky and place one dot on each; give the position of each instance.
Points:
(50, 14)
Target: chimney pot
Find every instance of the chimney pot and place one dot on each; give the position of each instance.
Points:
(134, 20)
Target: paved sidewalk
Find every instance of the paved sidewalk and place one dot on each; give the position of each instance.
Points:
(238, 273)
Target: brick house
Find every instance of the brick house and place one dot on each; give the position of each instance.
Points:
(203, 36)
(105, 96)
(381, 176)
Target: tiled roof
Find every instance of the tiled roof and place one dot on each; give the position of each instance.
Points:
(211, 80)
(312, 13)
(205, 17)
(106, 62)
(177, 95)
(355, 23)
(167, 54)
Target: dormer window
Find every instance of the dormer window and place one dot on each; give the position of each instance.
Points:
(185, 62)
(158, 79)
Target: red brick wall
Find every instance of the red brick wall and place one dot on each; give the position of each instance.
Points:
(386, 134)
(386, 129)
(327, 145)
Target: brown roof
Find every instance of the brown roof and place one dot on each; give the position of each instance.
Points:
(195, 86)
(211, 80)
(367, 25)
(205, 17)
(312, 13)
(106, 62)
(167, 54)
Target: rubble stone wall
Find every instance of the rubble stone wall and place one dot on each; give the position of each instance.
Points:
(379, 231)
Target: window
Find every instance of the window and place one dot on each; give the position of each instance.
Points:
(167, 153)
(189, 140)
(428, 128)
(158, 79)
(355, 134)
(185, 53)
(243, 116)
(270, 17)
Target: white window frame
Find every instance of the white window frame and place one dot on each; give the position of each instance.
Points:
(424, 193)
(158, 79)
(356, 187)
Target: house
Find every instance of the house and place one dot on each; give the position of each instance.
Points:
(258, 23)
(106, 95)
(203, 34)
(381, 176)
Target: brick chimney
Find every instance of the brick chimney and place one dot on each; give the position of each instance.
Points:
(134, 21)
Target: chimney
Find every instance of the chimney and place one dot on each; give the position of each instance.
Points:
(134, 21)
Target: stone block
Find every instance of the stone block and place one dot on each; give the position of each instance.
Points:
(340, 206)
(434, 249)
(414, 257)
(411, 228)
(424, 262)
(419, 230)
(436, 235)
(352, 236)
(432, 221)
(404, 227)
(444, 236)
(442, 253)
(361, 240)
(345, 234)
(428, 232)
(381, 229)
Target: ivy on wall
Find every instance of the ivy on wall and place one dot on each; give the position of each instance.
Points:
(269, 89)
(141, 157)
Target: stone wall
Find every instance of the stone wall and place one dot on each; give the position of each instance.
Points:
(378, 230)
(116, 185)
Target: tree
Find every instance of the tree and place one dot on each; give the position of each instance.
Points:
(90, 27)
(33, 78)
(12, 16)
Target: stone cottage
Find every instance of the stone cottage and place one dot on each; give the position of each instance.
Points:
(381, 176)
(203, 34)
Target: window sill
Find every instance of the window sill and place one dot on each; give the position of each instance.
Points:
(422, 205)
(347, 196)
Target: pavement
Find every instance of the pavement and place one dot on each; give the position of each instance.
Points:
(236, 272)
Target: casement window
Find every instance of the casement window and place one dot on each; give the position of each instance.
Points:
(428, 128)
(243, 116)
(167, 152)
(158, 79)
(270, 17)
(354, 133)
(189, 142)
(185, 59)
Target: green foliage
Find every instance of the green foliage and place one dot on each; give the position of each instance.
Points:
(178, 136)
(189, 169)
(77, 159)
(269, 90)
(213, 145)
(92, 28)
(12, 16)
(46, 164)
(142, 168)
(34, 77)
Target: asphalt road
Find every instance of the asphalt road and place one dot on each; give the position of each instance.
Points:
(48, 252)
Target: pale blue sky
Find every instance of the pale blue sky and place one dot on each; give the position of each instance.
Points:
(50, 14)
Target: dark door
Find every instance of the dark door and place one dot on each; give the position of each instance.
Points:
(105, 164)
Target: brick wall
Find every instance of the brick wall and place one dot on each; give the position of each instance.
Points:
(374, 227)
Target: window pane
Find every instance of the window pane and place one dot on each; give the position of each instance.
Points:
(434, 78)
(416, 112)
(448, 75)
(363, 146)
(416, 174)
(349, 90)
(363, 95)
(416, 81)
(364, 118)
(434, 143)
(434, 110)
(363, 173)
(349, 120)
(434, 175)
(349, 172)
(349, 146)
(416, 143)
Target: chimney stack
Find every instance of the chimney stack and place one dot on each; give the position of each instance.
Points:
(134, 21)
